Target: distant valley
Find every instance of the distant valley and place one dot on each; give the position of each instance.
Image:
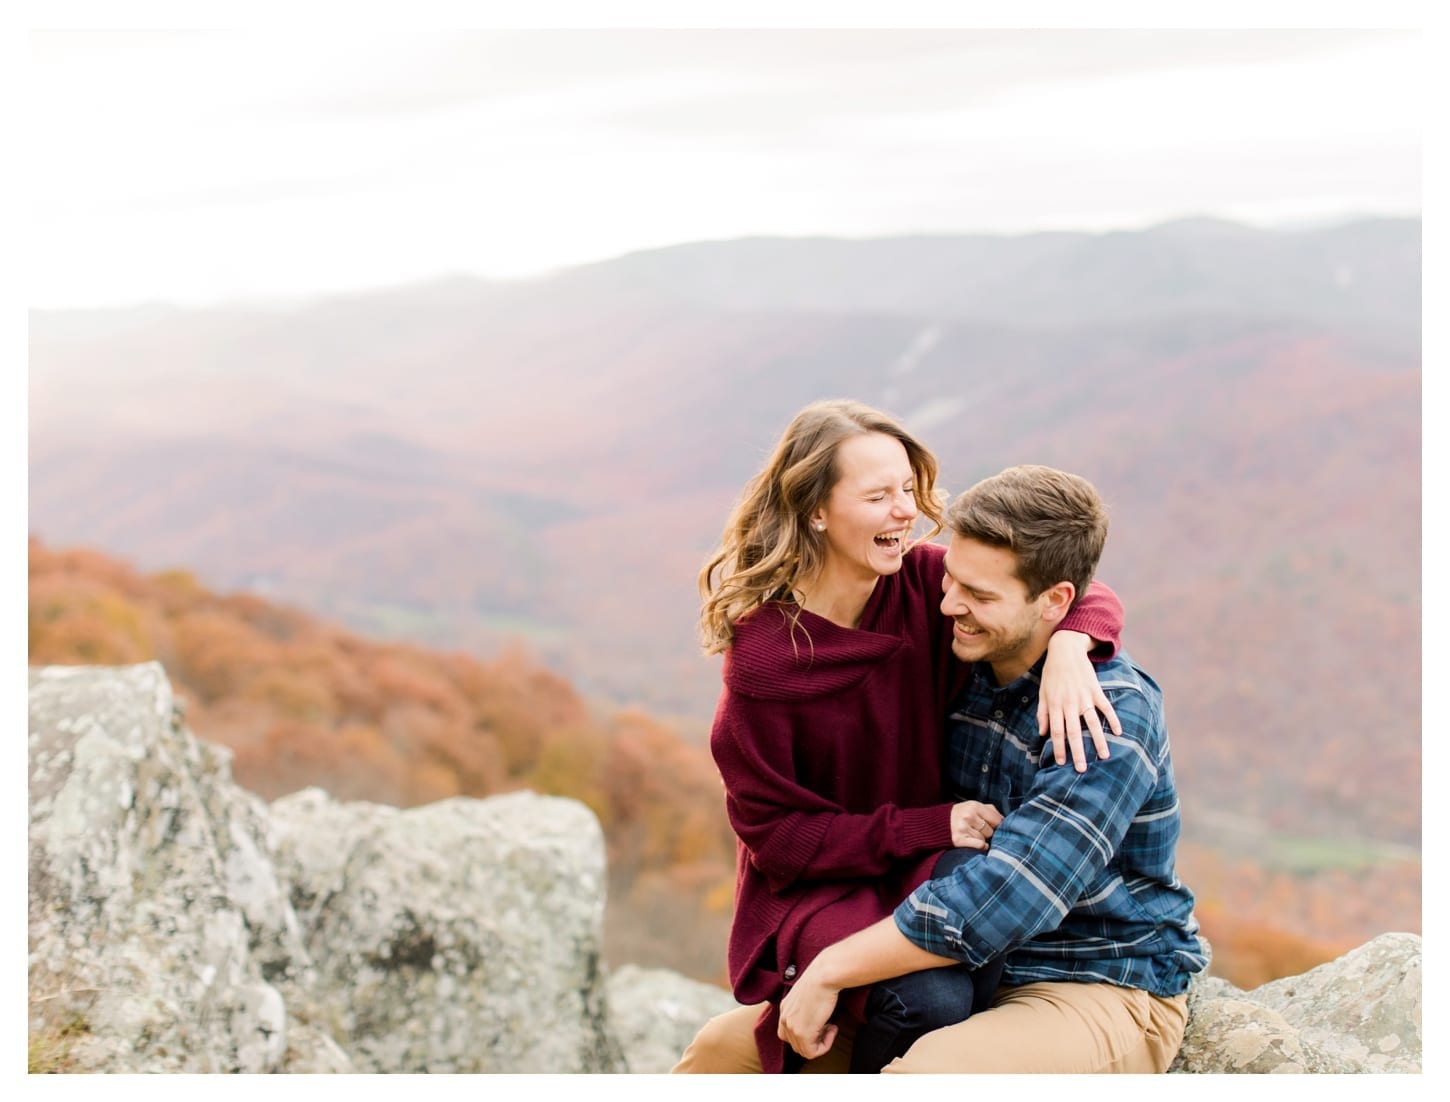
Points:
(462, 464)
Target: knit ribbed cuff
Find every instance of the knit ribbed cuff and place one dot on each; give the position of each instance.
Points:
(1100, 626)
(924, 829)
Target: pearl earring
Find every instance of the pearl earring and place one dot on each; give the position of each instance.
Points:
(820, 526)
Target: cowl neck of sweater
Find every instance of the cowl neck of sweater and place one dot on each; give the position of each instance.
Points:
(772, 660)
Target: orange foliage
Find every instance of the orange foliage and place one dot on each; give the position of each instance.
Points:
(666, 801)
(85, 620)
(217, 654)
(1248, 953)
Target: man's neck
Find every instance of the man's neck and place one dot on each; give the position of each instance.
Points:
(1010, 669)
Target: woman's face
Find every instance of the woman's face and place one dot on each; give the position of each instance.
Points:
(870, 510)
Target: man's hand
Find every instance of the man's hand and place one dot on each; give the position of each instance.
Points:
(805, 1015)
(973, 824)
(876, 953)
(1070, 696)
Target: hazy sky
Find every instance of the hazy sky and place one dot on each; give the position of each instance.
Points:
(193, 167)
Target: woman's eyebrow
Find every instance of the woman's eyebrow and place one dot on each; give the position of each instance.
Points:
(878, 486)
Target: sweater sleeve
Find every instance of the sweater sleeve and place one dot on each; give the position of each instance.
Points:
(791, 833)
(1098, 613)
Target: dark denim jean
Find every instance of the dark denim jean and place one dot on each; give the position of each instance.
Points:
(901, 1010)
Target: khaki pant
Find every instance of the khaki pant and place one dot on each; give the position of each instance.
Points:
(1038, 1028)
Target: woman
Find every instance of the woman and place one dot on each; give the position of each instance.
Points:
(838, 670)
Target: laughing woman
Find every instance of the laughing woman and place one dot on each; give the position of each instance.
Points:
(829, 731)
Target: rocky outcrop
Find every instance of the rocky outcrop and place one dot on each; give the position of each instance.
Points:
(1359, 1013)
(179, 923)
(161, 938)
(462, 936)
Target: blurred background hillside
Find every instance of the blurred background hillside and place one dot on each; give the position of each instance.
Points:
(438, 531)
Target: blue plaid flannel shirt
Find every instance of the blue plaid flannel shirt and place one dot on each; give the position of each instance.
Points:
(1078, 884)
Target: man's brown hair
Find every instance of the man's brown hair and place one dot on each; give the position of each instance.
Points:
(1054, 522)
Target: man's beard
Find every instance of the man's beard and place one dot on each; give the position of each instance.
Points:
(995, 647)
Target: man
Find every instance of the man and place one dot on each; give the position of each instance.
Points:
(1077, 887)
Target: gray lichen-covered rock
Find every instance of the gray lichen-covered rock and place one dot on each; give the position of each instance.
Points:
(1366, 1006)
(462, 936)
(160, 936)
(1360, 1013)
(654, 1013)
(1235, 1035)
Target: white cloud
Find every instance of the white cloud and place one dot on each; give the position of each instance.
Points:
(196, 167)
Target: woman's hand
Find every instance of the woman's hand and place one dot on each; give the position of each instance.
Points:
(1071, 696)
(973, 824)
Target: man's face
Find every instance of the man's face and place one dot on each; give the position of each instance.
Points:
(993, 621)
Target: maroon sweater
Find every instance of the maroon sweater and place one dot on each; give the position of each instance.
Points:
(830, 746)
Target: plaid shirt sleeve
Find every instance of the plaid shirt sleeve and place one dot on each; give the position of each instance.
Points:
(1047, 851)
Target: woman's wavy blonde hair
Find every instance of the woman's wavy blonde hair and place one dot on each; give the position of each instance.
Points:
(769, 545)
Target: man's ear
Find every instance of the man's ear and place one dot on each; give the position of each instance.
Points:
(1055, 601)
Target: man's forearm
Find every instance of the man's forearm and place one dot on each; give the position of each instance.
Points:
(879, 952)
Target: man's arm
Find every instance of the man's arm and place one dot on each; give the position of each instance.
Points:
(879, 952)
(1045, 852)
